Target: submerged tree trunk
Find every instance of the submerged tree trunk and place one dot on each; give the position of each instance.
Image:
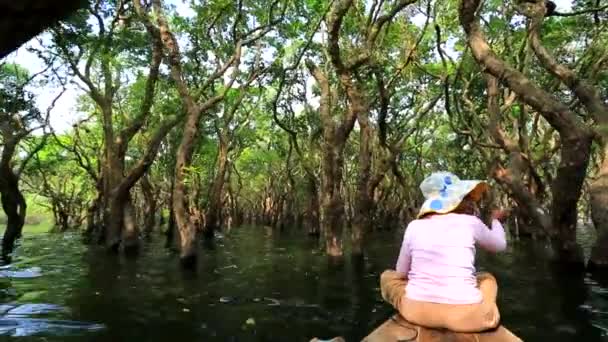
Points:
(185, 225)
(13, 202)
(14, 206)
(332, 204)
(312, 210)
(115, 201)
(171, 229)
(171, 232)
(130, 236)
(213, 221)
(61, 217)
(95, 214)
(150, 205)
(335, 135)
(362, 219)
(566, 191)
(599, 216)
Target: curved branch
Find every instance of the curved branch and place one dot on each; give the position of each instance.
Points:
(146, 161)
(585, 92)
(334, 21)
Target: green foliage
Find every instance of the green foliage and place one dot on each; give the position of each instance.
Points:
(17, 107)
(263, 159)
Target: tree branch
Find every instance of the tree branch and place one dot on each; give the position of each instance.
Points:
(146, 161)
(127, 134)
(585, 92)
(554, 111)
(586, 11)
(334, 21)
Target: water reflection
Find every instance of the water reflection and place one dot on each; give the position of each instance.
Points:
(258, 284)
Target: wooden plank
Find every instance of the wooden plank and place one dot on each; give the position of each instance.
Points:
(398, 329)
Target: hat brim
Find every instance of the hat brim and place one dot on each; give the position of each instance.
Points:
(445, 204)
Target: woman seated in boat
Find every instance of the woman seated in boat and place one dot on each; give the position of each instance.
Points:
(435, 284)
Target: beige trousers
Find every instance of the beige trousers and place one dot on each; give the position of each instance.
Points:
(455, 317)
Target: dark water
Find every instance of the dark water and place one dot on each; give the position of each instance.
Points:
(258, 285)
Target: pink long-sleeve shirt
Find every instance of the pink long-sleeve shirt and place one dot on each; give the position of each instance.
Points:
(438, 256)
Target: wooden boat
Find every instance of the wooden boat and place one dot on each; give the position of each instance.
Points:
(397, 329)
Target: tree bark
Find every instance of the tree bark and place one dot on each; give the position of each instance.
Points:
(312, 210)
(13, 202)
(213, 221)
(186, 228)
(94, 216)
(150, 205)
(113, 220)
(14, 206)
(335, 135)
(113, 169)
(363, 198)
(130, 236)
(599, 215)
(332, 204)
(130, 232)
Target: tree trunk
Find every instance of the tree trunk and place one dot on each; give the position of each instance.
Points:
(599, 216)
(312, 212)
(114, 217)
(213, 221)
(566, 191)
(130, 234)
(95, 215)
(171, 232)
(150, 205)
(62, 222)
(115, 201)
(332, 204)
(363, 197)
(93, 220)
(332, 164)
(14, 206)
(185, 225)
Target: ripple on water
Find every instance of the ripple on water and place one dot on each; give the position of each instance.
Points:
(28, 319)
(34, 326)
(32, 272)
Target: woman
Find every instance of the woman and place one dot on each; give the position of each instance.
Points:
(435, 284)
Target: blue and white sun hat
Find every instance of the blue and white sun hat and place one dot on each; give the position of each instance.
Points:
(443, 191)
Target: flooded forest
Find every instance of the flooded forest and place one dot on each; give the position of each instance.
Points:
(240, 170)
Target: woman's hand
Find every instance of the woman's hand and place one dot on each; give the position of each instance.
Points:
(499, 214)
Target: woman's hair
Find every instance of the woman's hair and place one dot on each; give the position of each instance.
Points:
(468, 206)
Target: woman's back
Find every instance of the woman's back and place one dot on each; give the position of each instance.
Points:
(438, 256)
